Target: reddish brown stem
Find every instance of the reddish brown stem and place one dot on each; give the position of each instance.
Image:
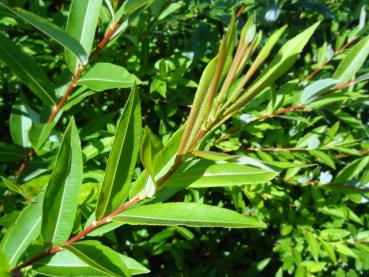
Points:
(71, 85)
(22, 167)
(241, 9)
(80, 235)
(320, 67)
(293, 108)
(104, 41)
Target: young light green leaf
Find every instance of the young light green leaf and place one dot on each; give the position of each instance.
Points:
(65, 263)
(99, 257)
(82, 21)
(27, 70)
(189, 214)
(150, 146)
(282, 62)
(61, 195)
(104, 76)
(96, 148)
(196, 116)
(353, 61)
(122, 158)
(203, 174)
(24, 231)
(314, 90)
(54, 32)
(343, 249)
(313, 245)
(21, 120)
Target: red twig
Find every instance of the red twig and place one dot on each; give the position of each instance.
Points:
(320, 67)
(69, 90)
(241, 9)
(79, 236)
(293, 108)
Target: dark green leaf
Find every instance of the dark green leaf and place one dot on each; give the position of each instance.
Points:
(27, 70)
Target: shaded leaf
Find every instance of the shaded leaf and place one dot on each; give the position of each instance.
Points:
(54, 32)
(27, 70)
(23, 232)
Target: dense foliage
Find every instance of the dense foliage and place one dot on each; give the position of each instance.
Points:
(184, 138)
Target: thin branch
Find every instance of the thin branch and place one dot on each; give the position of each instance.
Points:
(69, 90)
(320, 67)
(79, 236)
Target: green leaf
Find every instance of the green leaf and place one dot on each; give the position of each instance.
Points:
(54, 32)
(21, 120)
(353, 61)
(164, 159)
(323, 158)
(130, 6)
(16, 188)
(343, 249)
(122, 158)
(314, 90)
(27, 70)
(23, 232)
(204, 174)
(99, 257)
(10, 152)
(39, 133)
(65, 263)
(313, 245)
(150, 146)
(329, 250)
(352, 170)
(61, 195)
(189, 214)
(196, 117)
(96, 148)
(82, 22)
(103, 76)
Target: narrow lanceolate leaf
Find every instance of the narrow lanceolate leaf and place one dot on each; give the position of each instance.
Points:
(122, 158)
(104, 76)
(282, 62)
(24, 231)
(202, 174)
(82, 21)
(352, 62)
(21, 120)
(61, 195)
(314, 90)
(189, 214)
(27, 70)
(65, 263)
(196, 116)
(54, 32)
(99, 257)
